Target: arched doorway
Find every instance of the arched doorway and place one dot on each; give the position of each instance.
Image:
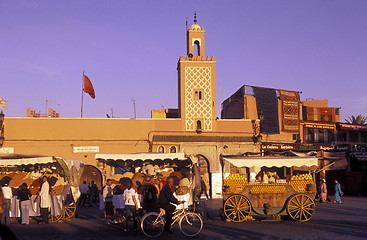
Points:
(91, 173)
(205, 174)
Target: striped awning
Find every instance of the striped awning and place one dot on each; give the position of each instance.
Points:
(273, 161)
(25, 161)
(141, 156)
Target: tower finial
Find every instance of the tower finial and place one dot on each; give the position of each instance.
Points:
(195, 20)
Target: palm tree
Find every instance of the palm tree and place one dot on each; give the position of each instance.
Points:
(357, 120)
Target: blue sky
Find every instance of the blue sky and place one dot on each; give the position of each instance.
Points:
(130, 49)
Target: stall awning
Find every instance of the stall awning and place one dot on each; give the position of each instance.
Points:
(141, 156)
(273, 161)
(26, 161)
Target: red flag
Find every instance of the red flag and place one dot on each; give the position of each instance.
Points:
(88, 86)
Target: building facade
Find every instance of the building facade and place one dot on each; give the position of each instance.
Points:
(192, 129)
(254, 120)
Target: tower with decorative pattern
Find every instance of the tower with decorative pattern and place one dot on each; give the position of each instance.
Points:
(197, 84)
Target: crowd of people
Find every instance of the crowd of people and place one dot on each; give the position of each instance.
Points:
(150, 196)
(89, 195)
(23, 194)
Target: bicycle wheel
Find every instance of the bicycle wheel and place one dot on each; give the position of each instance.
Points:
(191, 224)
(152, 224)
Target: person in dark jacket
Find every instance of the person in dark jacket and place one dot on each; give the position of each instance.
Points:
(165, 199)
(24, 195)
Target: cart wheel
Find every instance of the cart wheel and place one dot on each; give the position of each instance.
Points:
(301, 207)
(53, 218)
(68, 210)
(237, 207)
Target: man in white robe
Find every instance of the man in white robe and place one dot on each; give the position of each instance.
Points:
(45, 197)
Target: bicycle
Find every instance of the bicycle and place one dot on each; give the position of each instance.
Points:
(190, 223)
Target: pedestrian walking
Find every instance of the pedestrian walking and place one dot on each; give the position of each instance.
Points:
(323, 191)
(94, 193)
(107, 195)
(203, 189)
(24, 195)
(1, 204)
(338, 192)
(7, 193)
(83, 194)
(131, 206)
(149, 195)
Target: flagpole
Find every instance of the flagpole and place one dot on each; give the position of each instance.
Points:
(81, 108)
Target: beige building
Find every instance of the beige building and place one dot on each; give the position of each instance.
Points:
(192, 129)
(195, 131)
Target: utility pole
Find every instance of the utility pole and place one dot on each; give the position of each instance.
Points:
(133, 100)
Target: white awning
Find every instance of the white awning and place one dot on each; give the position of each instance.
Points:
(273, 161)
(142, 156)
(26, 161)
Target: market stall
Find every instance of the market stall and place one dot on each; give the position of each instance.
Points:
(133, 168)
(63, 177)
(267, 186)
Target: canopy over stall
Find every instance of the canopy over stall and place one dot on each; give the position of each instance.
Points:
(139, 158)
(161, 159)
(142, 156)
(258, 162)
(71, 169)
(19, 160)
(63, 176)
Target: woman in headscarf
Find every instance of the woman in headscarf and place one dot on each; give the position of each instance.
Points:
(323, 191)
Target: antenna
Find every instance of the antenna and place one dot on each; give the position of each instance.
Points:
(47, 102)
(133, 101)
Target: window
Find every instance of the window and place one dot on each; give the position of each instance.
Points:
(295, 136)
(198, 94)
(364, 137)
(198, 125)
(197, 48)
(173, 149)
(160, 149)
(341, 136)
(353, 136)
(310, 137)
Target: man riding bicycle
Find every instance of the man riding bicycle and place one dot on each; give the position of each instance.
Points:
(165, 201)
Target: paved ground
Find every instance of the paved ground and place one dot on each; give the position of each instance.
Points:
(331, 221)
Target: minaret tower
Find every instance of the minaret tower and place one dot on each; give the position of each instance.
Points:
(197, 81)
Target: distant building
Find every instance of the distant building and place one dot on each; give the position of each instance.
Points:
(51, 113)
(165, 113)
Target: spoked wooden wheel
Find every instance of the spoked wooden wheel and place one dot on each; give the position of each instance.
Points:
(301, 207)
(53, 218)
(68, 210)
(237, 207)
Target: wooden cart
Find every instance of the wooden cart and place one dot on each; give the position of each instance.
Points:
(63, 198)
(294, 197)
